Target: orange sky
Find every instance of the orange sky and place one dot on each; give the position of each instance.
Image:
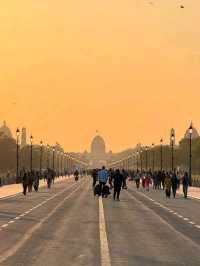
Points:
(127, 68)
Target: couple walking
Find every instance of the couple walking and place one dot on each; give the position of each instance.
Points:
(116, 179)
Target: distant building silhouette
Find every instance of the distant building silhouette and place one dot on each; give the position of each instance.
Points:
(5, 131)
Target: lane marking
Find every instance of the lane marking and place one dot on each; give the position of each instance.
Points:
(39, 205)
(169, 210)
(105, 254)
(9, 253)
(145, 207)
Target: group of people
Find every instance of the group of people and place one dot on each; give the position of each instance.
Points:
(168, 181)
(116, 179)
(31, 179)
(105, 180)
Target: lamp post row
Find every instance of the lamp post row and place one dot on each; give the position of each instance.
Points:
(68, 160)
(139, 154)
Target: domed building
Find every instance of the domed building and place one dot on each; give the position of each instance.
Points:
(98, 156)
(98, 146)
(5, 132)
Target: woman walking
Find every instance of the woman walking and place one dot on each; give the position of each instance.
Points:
(168, 185)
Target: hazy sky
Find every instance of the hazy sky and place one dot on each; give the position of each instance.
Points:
(128, 68)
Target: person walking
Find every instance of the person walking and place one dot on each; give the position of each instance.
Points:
(168, 185)
(103, 178)
(25, 182)
(49, 177)
(117, 182)
(148, 182)
(174, 181)
(37, 181)
(125, 176)
(185, 182)
(137, 179)
(94, 177)
(30, 181)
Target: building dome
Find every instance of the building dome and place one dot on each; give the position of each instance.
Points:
(98, 145)
(5, 132)
(195, 134)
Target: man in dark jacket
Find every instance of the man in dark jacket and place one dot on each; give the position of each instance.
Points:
(174, 181)
(185, 183)
(117, 182)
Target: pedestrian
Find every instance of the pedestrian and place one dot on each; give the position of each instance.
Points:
(174, 181)
(103, 178)
(25, 182)
(30, 181)
(94, 177)
(147, 182)
(137, 179)
(117, 182)
(125, 176)
(185, 182)
(49, 177)
(168, 185)
(37, 181)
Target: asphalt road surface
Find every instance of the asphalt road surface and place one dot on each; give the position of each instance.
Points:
(68, 226)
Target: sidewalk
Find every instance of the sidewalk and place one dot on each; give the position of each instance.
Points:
(193, 192)
(12, 190)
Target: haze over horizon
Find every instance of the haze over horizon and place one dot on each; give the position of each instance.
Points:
(128, 69)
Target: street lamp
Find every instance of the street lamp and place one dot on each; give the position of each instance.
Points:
(141, 161)
(53, 158)
(48, 148)
(31, 159)
(137, 155)
(190, 155)
(161, 155)
(41, 153)
(172, 147)
(17, 172)
(146, 152)
(153, 157)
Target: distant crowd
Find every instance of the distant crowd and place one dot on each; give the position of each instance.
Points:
(105, 180)
(31, 179)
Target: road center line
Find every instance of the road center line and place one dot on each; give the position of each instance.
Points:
(105, 254)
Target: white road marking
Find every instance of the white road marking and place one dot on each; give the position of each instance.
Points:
(39, 205)
(105, 254)
(169, 210)
(9, 253)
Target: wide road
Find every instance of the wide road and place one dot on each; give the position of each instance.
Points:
(68, 226)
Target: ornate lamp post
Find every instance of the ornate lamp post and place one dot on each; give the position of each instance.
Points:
(137, 158)
(146, 153)
(41, 154)
(141, 163)
(153, 158)
(161, 154)
(172, 147)
(53, 158)
(17, 172)
(31, 158)
(48, 148)
(190, 155)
